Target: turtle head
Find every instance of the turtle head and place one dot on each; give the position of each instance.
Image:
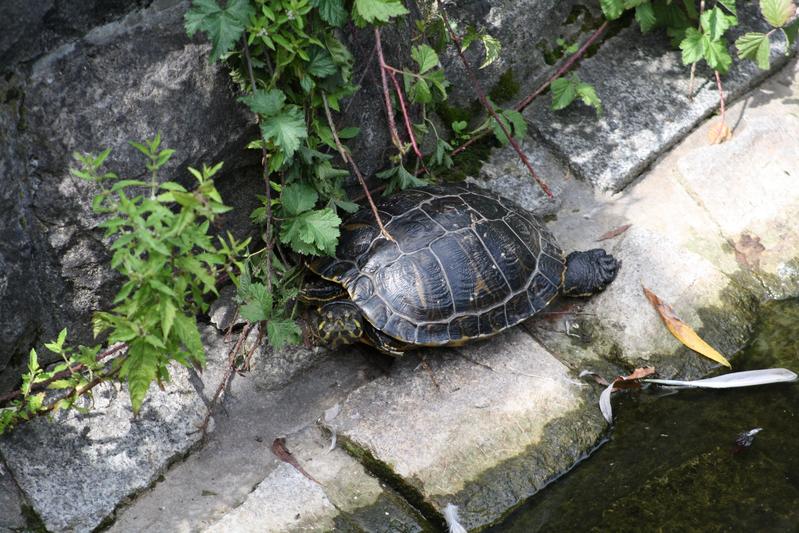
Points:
(336, 324)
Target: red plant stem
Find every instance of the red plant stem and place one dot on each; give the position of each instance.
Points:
(483, 100)
(392, 125)
(407, 119)
(348, 158)
(521, 106)
(721, 94)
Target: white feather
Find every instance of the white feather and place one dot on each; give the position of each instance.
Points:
(451, 516)
(732, 380)
(604, 403)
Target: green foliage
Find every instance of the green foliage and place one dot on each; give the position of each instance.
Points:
(566, 90)
(223, 26)
(161, 247)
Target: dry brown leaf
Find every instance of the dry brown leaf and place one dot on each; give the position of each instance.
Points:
(718, 133)
(614, 232)
(283, 453)
(682, 331)
(747, 251)
(631, 381)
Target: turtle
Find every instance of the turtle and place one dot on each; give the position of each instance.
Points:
(462, 263)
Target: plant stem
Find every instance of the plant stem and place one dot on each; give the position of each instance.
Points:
(693, 66)
(521, 106)
(483, 100)
(267, 182)
(408, 125)
(392, 125)
(345, 155)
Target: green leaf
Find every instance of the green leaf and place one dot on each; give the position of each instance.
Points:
(588, 94)
(612, 8)
(791, 31)
(425, 57)
(645, 15)
(186, 329)
(312, 232)
(140, 369)
(728, 4)
(692, 46)
(754, 46)
(332, 12)
(492, 48)
(321, 64)
(379, 10)
(399, 178)
(564, 91)
(265, 103)
(286, 130)
(282, 333)
(298, 197)
(715, 22)
(223, 26)
(777, 12)
(717, 56)
(259, 303)
(168, 312)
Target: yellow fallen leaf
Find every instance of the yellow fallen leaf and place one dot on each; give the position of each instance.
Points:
(719, 133)
(682, 331)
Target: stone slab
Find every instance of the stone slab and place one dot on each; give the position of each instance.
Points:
(481, 427)
(342, 496)
(644, 90)
(11, 502)
(76, 469)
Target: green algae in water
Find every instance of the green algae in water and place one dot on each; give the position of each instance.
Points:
(670, 466)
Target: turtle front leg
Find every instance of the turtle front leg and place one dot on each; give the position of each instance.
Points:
(589, 272)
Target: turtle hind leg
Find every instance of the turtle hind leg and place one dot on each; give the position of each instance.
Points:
(589, 272)
(377, 339)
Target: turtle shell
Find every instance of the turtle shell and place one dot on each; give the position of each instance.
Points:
(465, 263)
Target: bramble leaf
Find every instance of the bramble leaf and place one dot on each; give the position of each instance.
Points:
(266, 103)
(588, 94)
(564, 91)
(777, 12)
(282, 333)
(425, 57)
(286, 129)
(223, 26)
(612, 8)
(715, 22)
(298, 197)
(312, 232)
(379, 10)
(790, 31)
(645, 15)
(492, 48)
(321, 64)
(754, 46)
(692, 46)
(717, 56)
(332, 12)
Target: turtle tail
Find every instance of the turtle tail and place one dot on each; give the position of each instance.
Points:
(589, 272)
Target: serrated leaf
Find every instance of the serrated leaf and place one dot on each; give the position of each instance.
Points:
(425, 57)
(777, 12)
(321, 64)
(645, 16)
(612, 9)
(312, 232)
(717, 56)
(223, 26)
(754, 46)
(140, 369)
(419, 92)
(728, 4)
(286, 130)
(168, 312)
(492, 48)
(682, 331)
(298, 197)
(379, 10)
(692, 46)
(283, 333)
(259, 303)
(186, 330)
(564, 91)
(588, 95)
(332, 12)
(715, 22)
(265, 103)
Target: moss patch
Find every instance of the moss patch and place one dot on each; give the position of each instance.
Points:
(505, 88)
